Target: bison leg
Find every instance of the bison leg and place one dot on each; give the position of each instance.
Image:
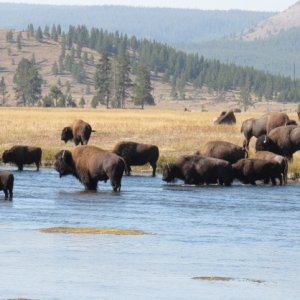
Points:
(127, 170)
(5, 193)
(20, 167)
(10, 193)
(37, 165)
(273, 180)
(280, 179)
(153, 165)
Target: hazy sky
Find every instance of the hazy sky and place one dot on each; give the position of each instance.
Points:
(262, 5)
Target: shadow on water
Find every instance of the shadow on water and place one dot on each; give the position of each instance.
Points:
(239, 231)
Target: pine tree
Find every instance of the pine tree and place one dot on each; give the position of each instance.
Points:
(39, 34)
(82, 102)
(102, 80)
(55, 93)
(54, 35)
(3, 90)
(142, 88)
(47, 31)
(28, 83)
(19, 42)
(55, 70)
(9, 36)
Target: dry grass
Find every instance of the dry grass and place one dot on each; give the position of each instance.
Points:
(174, 132)
(89, 230)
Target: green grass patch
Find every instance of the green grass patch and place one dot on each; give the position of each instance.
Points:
(91, 230)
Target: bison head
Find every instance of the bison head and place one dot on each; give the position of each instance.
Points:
(64, 163)
(7, 156)
(264, 143)
(67, 134)
(168, 174)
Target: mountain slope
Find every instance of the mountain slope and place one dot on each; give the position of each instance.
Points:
(285, 20)
(166, 25)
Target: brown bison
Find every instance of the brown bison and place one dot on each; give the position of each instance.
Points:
(226, 117)
(224, 150)
(136, 154)
(283, 140)
(249, 170)
(79, 132)
(280, 159)
(197, 169)
(90, 164)
(23, 155)
(259, 126)
(7, 184)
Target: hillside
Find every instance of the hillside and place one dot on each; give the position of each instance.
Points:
(166, 25)
(275, 24)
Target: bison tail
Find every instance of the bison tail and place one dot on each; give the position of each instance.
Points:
(94, 131)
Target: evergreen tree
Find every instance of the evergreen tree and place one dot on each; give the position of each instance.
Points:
(3, 90)
(28, 83)
(55, 93)
(30, 30)
(58, 30)
(47, 31)
(54, 35)
(82, 102)
(102, 80)
(39, 34)
(122, 81)
(9, 36)
(19, 42)
(55, 70)
(142, 88)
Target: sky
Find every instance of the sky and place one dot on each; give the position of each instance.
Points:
(254, 5)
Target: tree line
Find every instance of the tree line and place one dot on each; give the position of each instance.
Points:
(124, 58)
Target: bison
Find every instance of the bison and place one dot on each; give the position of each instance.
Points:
(137, 154)
(224, 150)
(283, 140)
(197, 169)
(280, 159)
(263, 125)
(79, 132)
(226, 117)
(22, 155)
(249, 170)
(90, 164)
(7, 184)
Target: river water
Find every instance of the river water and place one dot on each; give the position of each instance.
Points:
(242, 232)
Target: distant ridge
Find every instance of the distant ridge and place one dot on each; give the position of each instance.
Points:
(290, 18)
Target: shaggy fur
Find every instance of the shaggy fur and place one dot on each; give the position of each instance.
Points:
(226, 117)
(137, 154)
(22, 155)
(79, 132)
(267, 155)
(224, 150)
(196, 169)
(283, 140)
(89, 165)
(7, 184)
(250, 170)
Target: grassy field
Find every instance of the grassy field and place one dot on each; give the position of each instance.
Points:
(174, 132)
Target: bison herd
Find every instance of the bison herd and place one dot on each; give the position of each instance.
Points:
(218, 162)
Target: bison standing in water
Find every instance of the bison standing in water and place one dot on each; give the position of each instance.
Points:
(137, 154)
(250, 170)
(7, 183)
(79, 132)
(196, 169)
(283, 161)
(224, 150)
(22, 155)
(89, 165)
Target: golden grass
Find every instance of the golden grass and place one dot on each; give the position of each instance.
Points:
(221, 278)
(91, 230)
(174, 132)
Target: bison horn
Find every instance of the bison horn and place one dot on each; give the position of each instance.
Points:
(265, 139)
(63, 154)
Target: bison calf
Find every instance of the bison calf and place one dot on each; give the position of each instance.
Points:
(79, 132)
(89, 165)
(196, 169)
(250, 170)
(23, 155)
(7, 183)
(136, 154)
